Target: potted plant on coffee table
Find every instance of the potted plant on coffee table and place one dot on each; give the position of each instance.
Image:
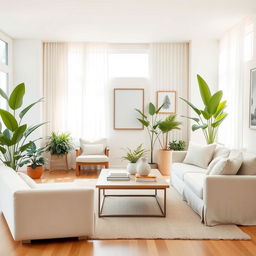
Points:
(59, 145)
(35, 161)
(133, 156)
(164, 154)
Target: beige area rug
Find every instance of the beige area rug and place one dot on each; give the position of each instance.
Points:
(181, 221)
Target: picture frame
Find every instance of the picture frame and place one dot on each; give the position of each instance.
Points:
(169, 98)
(126, 100)
(252, 99)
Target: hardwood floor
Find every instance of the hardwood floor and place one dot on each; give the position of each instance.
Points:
(73, 247)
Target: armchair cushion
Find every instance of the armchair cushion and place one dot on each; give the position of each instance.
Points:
(92, 159)
(104, 142)
(92, 149)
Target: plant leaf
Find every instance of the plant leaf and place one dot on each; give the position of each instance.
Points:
(3, 94)
(192, 118)
(214, 102)
(16, 97)
(25, 110)
(205, 114)
(24, 147)
(33, 128)
(196, 127)
(144, 122)
(158, 110)
(9, 120)
(151, 109)
(192, 106)
(5, 141)
(219, 120)
(204, 90)
(18, 134)
(3, 150)
(220, 108)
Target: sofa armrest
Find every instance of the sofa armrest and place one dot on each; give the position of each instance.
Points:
(230, 199)
(178, 156)
(53, 213)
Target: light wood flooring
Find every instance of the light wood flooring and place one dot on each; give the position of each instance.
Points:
(73, 247)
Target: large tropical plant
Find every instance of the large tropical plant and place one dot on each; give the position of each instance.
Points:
(166, 126)
(151, 123)
(209, 118)
(13, 133)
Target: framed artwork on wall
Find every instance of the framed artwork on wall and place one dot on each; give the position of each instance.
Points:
(168, 100)
(126, 100)
(252, 110)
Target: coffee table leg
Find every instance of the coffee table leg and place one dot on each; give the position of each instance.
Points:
(99, 191)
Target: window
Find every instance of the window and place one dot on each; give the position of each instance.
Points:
(3, 52)
(128, 65)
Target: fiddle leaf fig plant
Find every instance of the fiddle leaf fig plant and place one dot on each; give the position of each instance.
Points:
(210, 118)
(13, 133)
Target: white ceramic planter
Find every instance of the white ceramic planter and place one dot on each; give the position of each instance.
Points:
(143, 168)
(132, 168)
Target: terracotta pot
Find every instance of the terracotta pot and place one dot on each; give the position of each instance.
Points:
(164, 159)
(35, 173)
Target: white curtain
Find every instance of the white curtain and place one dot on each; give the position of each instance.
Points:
(75, 85)
(235, 50)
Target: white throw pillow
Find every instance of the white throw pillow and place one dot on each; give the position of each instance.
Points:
(30, 182)
(92, 149)
(248, 166)
(228, 165)
(221, 151)
(199, 155)
(212, 164)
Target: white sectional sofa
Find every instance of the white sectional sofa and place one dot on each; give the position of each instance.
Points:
(218, 199)
(42, 211)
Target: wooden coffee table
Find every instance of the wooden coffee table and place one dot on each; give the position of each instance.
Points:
(103, 185)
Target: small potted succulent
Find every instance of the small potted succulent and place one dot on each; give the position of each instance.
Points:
(35, 161)
(133, 156)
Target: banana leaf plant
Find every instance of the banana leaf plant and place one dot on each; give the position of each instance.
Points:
(151, 123)
(210, 118)
(14, 134)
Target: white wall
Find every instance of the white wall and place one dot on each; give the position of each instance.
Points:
(27, 68)
(203, 60)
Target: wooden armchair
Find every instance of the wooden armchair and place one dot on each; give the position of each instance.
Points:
(84, 159)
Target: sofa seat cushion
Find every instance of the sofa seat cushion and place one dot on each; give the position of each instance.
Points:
(92, 159)
(195, 181)
(180, 169)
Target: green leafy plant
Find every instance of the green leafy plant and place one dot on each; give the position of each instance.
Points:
(151, 123)
(166, 126)
(33, 156)
(209, 118)
(13, 133)
(134, 155)
(177, 145)
(59, 144)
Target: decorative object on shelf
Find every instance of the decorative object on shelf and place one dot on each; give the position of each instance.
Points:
(133, 156)
(166, 99)
(125, 101)
(210, 118)
(151, 123)
(177, 145)
(14, 138)
(35, 161)
(143, 168)
(165, 154)
(59, 145)
(252, 100)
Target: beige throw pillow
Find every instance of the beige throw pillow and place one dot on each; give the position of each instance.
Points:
(248, 166)
(221, 151)
(227, 165)
(199, 155)
(212, 164)
(30, 182)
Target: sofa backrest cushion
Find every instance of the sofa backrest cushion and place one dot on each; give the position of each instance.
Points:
(248, 166)
(30, 182)
(93, 147)
(227, 165)
(199, 155)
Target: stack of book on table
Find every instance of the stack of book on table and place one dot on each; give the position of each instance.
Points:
(140, 178)
(118, 175)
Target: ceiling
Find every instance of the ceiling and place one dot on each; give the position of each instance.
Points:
(121, 20)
